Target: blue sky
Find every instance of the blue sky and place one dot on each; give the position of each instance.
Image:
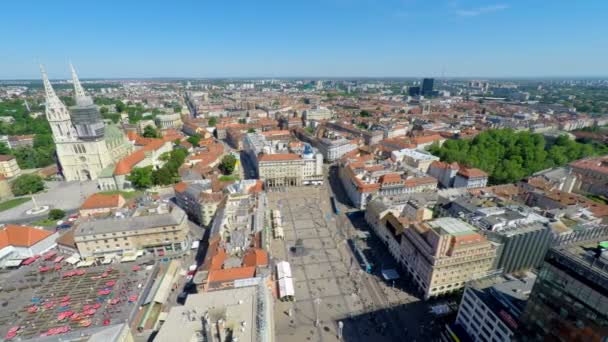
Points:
(331, 38)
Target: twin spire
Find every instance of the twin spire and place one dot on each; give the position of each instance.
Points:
(81, 98)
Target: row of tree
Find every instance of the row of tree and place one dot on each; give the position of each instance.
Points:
(508, 156)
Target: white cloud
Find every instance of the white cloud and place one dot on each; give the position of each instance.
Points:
(474, 12)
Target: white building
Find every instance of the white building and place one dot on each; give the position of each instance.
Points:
(415, 158)
(85, 146)
(21, 242)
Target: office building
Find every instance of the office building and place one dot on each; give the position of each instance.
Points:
(491, 307)
(427, 86)
(444, 254)
(569, 301)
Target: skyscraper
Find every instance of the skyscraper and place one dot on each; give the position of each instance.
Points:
(569, 301)
(427, 86)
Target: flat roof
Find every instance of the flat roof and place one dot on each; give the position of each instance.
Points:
(452, 226)
(233, 306)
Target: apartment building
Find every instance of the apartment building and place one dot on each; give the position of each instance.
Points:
(365, 178)
(592, 175)
(198, 200)
(157, 227)
(457, 176)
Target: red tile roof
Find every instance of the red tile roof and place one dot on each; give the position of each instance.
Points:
(21, 236)
(126, 164)
(472, 173)
(180, 187)
(255, 257)
(231, 274)
(97, 201)
(6, 157)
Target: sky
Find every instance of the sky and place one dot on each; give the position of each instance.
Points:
(304, 38)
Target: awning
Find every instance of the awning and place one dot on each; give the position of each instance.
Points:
(85, 263)
(13, 262)
(128, 258)
(75, 258)
(286, 288)
(283, 270)
(390, 274)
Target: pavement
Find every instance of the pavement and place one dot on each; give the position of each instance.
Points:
(328, 284)
(62, 195)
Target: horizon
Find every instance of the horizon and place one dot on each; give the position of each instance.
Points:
(332, 39)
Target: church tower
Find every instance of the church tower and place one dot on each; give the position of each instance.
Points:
(56, 113)
(85, 114)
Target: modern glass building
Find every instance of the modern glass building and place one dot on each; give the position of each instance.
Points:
(569, 301)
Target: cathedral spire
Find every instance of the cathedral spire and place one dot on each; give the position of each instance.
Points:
(79, 95)
(56, 112)
(48, 89)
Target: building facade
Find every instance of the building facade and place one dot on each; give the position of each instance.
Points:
(444, 254)
(157, 229)
(84, 145)
(569, 301)
(9, 167)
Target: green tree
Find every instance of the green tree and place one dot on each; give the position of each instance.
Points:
(227, 164)
(194, 140)
(141, 177)
(120, 107)
(27, 184)
(103, 110)
(365, 114)
(151, 132)
(242, 121)
(212, 122)
(509, 156)
(4, 149)
(177, 109)
(251, 130)
(56, 214)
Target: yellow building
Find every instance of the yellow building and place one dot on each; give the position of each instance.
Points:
(8, 166)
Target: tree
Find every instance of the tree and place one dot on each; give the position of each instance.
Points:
(4, 149)
(177, 109)
(141, 177)
(509, 156)
(242, 121)
(151, 132)
(364, 114)
(27, 184)
(103, 110)
(251, 130)
(227, 164)
(120, 106)
(56, 214)
(212, 122)
(194, 140)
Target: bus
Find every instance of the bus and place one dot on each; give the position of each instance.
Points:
(334, 206)
(361, 258)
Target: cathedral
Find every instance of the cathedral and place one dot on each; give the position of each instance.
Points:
(85, 144)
